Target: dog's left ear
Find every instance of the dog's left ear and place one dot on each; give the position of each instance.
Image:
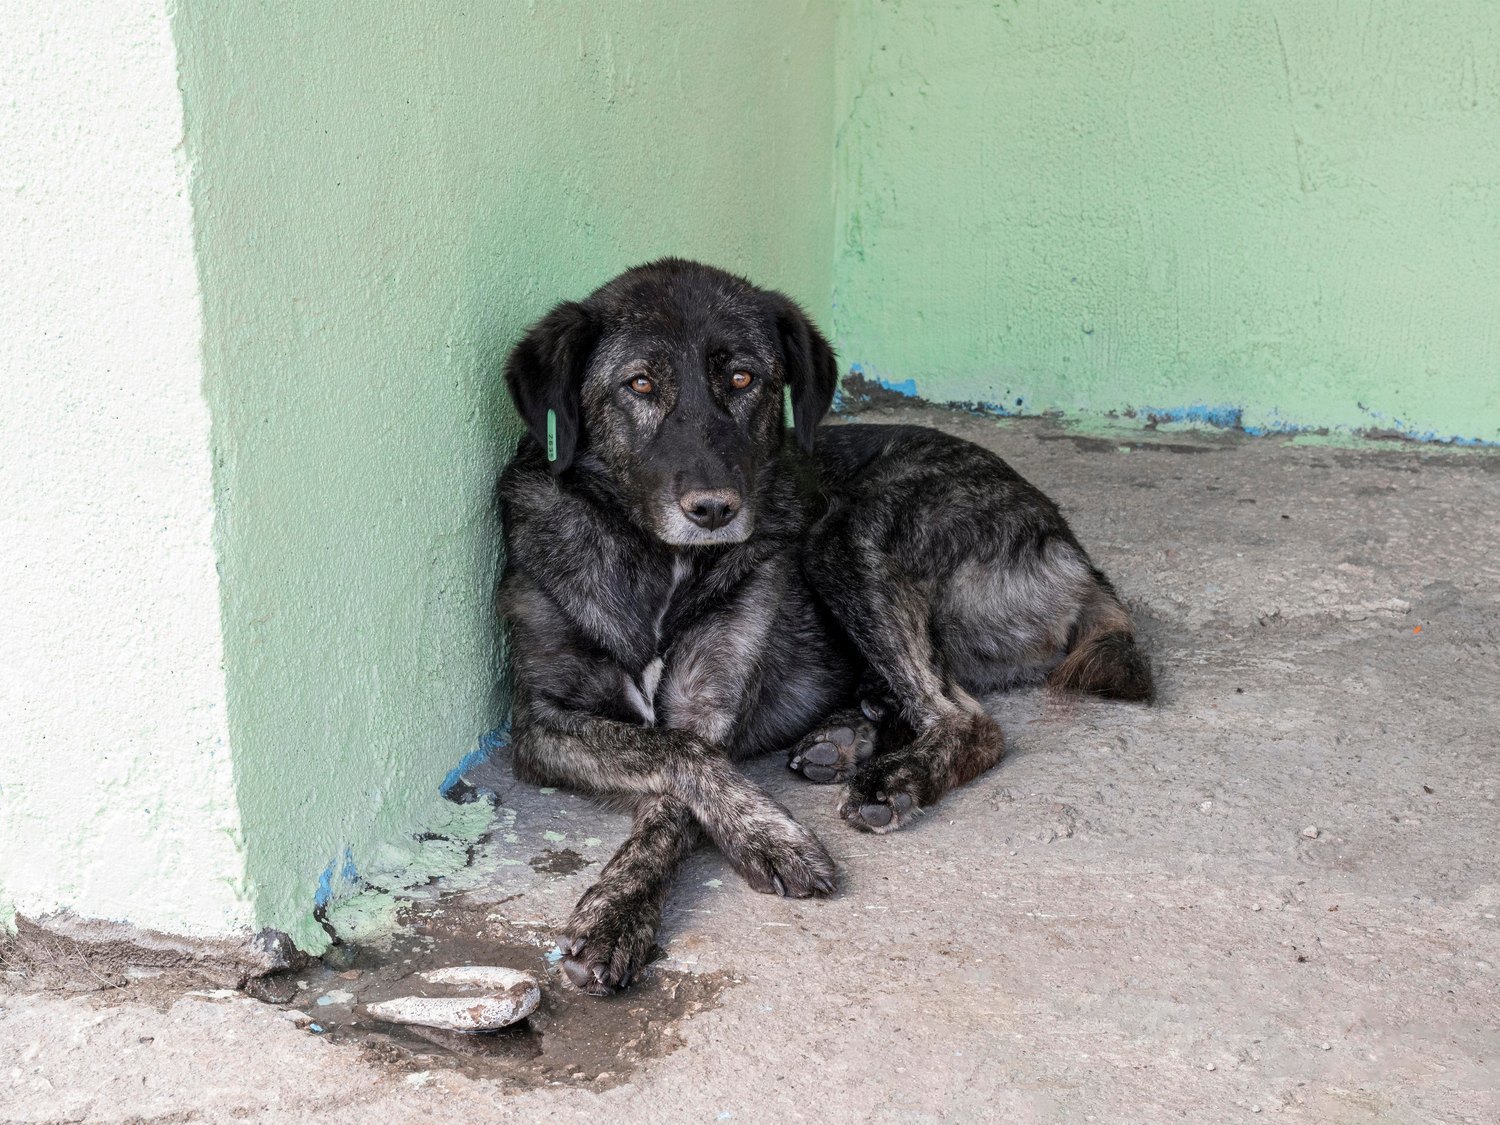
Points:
(812, 371)
(545, 375)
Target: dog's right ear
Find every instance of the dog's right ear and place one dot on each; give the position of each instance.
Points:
(545, 373)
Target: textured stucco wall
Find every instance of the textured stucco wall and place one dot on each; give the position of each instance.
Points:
(116, 796)
(384, 195)
(1276, 212)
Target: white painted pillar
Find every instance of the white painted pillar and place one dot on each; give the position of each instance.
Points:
(116, 792)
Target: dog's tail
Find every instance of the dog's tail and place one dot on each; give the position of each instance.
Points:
(1104, 659)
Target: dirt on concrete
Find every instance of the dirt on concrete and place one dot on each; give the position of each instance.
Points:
(1274, 894)
(571, 1039)
(62, 952)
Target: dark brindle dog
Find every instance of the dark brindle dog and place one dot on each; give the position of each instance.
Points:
(686, 587)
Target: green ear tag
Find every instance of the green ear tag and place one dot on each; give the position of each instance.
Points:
(551, 435)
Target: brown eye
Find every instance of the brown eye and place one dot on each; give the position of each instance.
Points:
(641, 385)
(741, 379)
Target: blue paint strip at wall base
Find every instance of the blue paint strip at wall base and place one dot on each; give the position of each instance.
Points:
(348, 876)
(1198, 415)
(455, 786)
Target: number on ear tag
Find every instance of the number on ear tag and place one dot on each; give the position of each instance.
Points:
(551, 435)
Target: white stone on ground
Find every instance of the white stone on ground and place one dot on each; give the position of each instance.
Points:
(486, 997)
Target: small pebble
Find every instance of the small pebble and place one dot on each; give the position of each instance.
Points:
(273, 989)
(1325, 1045)
(1256, 908)
(1206, 806)
(1210, 1066)
(1310, 832)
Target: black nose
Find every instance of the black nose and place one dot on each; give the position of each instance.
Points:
(710, 509)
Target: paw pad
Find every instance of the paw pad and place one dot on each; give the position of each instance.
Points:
(832, 754)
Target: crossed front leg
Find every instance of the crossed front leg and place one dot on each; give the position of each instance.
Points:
(681, 788)
(612, 932)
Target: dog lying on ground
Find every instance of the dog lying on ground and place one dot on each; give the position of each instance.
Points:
(688, 585)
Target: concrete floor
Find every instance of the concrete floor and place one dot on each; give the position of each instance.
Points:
(1130, 919)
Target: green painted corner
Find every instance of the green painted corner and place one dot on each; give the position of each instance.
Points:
(384, 196)
(1284, 211)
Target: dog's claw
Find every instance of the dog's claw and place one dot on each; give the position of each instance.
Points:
(578, 973)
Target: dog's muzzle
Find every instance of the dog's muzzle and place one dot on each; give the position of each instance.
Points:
(703, 516)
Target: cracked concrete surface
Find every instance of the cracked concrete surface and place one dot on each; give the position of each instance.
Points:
(1131, 919)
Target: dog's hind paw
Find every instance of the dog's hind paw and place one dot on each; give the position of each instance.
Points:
(892, 788)
(607, 941)
(880, 811)
(832, 753)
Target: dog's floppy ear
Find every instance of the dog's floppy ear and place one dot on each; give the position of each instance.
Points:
(545, 373)
(812, 371)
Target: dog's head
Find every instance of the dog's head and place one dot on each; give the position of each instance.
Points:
(672, 376)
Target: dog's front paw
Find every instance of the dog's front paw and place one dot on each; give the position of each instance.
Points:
(783, 858)
(833, 752)
(610, 937)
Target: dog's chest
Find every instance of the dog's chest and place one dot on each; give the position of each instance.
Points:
(640, 690)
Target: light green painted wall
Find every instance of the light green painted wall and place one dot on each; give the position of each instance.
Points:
(385, 194)
(1287, 207)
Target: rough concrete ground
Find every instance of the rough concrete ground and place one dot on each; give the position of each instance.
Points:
(1125, 921)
